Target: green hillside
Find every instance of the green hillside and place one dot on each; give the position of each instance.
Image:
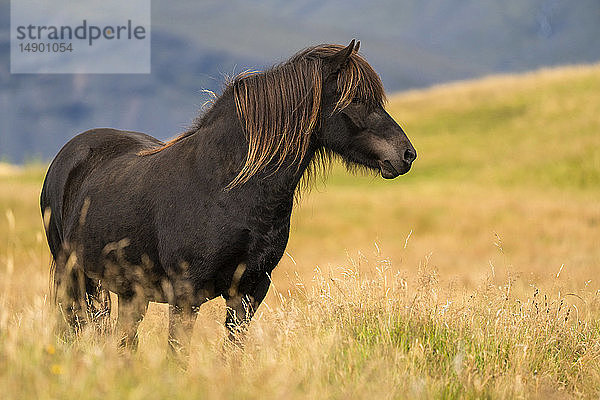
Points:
(540, 129)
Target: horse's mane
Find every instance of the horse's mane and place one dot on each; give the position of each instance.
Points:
(281, 107)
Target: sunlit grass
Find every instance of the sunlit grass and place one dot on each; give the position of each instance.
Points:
(342, 335)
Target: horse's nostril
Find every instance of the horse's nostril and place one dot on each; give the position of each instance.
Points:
(409, 155)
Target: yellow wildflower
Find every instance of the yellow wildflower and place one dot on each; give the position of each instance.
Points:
(56, 369)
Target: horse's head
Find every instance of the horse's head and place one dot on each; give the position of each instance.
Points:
(354, 123)
(325, 97)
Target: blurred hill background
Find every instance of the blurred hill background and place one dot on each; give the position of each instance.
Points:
(195, 45)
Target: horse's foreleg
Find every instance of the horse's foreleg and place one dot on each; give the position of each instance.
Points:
(241, 306)
(131, 313)
(181, 327)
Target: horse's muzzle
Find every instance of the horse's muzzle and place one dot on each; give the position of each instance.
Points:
(391, 170)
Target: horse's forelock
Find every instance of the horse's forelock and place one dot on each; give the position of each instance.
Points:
(358, 80)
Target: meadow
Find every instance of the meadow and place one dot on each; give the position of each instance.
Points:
(474, 276)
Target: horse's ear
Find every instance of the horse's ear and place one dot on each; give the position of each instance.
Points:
(357, 46)
(339, 59)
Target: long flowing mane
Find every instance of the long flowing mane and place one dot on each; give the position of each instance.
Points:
(280, 108)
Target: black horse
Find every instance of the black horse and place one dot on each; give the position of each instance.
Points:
(208, 213)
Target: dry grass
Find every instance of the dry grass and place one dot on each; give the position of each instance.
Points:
(473, 276)
(395, 335)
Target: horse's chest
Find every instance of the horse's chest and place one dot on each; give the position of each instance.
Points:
(268, 243)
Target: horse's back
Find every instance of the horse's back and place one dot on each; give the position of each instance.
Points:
(84, 153)
(111, 141)
(106, 143)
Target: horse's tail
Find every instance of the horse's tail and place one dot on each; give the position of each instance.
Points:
(54, 237)
(79, 298)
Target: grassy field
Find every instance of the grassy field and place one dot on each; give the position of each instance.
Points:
(473, 276)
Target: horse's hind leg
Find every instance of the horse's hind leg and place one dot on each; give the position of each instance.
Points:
(70, 292)
(98, 304)
(131, 312)
(80, 299)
